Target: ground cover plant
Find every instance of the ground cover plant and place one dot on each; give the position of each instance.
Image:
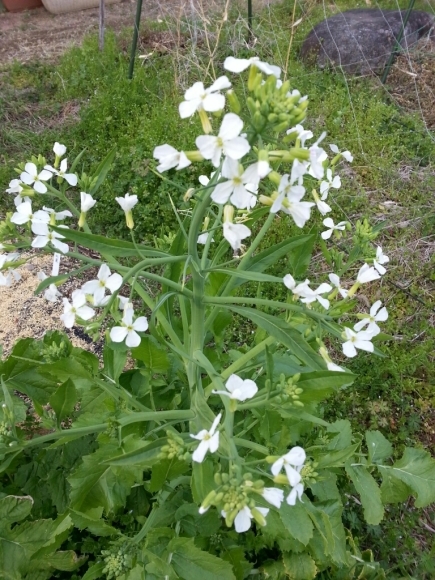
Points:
(400, 373)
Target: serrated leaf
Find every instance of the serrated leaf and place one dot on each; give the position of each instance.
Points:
(336, 458)
(283, 333)
(158, 567)
(14, 508)
(92, 521)
(368, 491)
(417, 470)
(378, 446)
(299, 566)
(191, 563)
(66, 561)
(165, 470)
(236, 557)
(152, 355)
(297, 522)
(63, 400)
(393, 490)
(343, 438)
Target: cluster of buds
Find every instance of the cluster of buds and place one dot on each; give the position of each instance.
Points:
(233, 497)
(117, 562)
(289, 392)
(174, 448)
(273, 105)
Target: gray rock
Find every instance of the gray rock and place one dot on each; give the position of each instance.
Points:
(361, 40)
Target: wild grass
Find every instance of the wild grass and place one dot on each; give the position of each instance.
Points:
(87, 102)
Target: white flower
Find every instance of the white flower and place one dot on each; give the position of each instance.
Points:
(76, 308)
(58, 215)
(86, 201)
(301, 289)
(197, 98)
(237, 189)
(105, 280)
(229, 142)
(70, 178)
(329, 223)
(30, 175)
(335, 281)
(367, 274)
(209, 441)
(238, 389)
(313, 295)
(361, 340)
(295, 493)
(14, 186)
(322, 206)
(325, 186)
(333, 367)
(127, 202)
(301, 133)
(59, 149)
(25, 214)
(371, 319)
(317, 158)
(256, 171)
(45, 235)
(289, 201)
(292, 462)
(169, 158)
(52, 293)
(346, 154)
(237, 65)
(128, 330)
(18, 200)
(5, 261)
(235, 233)
(273, 495)
(381, 258)
(242, 521)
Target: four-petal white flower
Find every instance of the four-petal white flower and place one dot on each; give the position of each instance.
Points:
(329, 223)
(77, 307)
(377, 314)
(238, 389)
(242, 521)
(235, 233)
(70, 178)
(380, 259)
(292, 462)
(209, 441)
(128, 330)
(198, 98)
(237, 65)
(105, 280)
(367, 274)
(169, 158)
(229, 142)
(31, 176)
(238, 190)
(361, 340)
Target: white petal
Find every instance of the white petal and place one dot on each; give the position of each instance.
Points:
(242, 521)
(348, 349)
(274, 496)
(219, 84)
(39, 187)
(200, 452)
(213, 102)
(294, 477)
(231, 126)
(114, 282)
(296, 456)
(277, 466)
(214, 443)
(133, 339)
(118, 333)
(141, 324)
(289, 281)
(187, 109)
(85, 312)
(236, 65)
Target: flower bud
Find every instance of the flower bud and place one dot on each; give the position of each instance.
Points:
(188, 195)
(258, 517)
(233, 102)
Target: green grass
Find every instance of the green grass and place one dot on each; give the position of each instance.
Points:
(87, 102)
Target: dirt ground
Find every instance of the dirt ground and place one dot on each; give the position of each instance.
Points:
(38, 35)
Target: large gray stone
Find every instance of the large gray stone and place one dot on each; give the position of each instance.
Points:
(361, 40)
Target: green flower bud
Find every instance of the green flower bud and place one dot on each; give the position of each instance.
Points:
(233, 102)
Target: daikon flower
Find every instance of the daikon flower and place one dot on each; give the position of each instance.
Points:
(77, 307)
(317, 157)
(52, 293)
(357, 340)
(238, 190)
(14, 186)
(209, 441)
(237, 65)
(229, 142)
(6, 261)
(380, 259)
(198, 98)
(325, 186)
(296, 493)
(301, 134)
(235, 233)
(329, 223)
(45, 235)
(25, 214)
(86, 203)
(242, 521)
(128, 330)
(105, 280)
(169, 158)
(59, 149)
(70, 178)
(127, 203)
(238, 389)
(202, 238)
(292, 462)
(345, 154)
(377, 314)
(273, 495)
(313, 295)
(301, 289)
(367, 274)
(289, 201)
(31, 176)
(335, 281)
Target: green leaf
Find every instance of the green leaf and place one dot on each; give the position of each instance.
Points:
(378, 446)
(343, 438)
(154, 356)
(144, 456)
(102, 170)
(14, 508)
(299, 257)
(64, 400)
(417, 470)
(236, 557)
(166, 470)
(336, 458)
(191, 563)
(299, 566)
(158, 568)
(297, 522)
(247, 275)
(318, 385)
(66, 561)
(92, 521)
(369, 493)
(114, 362)
(393, 490)
(95, 571)
(271, 255)
(283, 333)
(202, 482)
